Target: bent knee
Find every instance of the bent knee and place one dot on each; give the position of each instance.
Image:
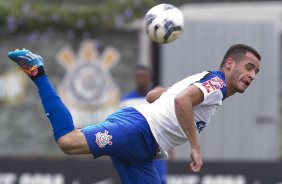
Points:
(73, 143)
(66, 144)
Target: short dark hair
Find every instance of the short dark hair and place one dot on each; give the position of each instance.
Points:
(144, 67)
(238, 52)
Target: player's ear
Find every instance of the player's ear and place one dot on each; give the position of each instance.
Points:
(229, 63)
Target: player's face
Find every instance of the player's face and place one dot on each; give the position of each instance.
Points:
(244, 72)
(142, 79)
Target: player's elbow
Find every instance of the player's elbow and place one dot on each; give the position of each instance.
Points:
(150, 97)
(154, 94)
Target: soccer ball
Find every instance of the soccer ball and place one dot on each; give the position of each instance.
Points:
(164, 23)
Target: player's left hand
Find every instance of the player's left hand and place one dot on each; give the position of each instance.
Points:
(196, 158)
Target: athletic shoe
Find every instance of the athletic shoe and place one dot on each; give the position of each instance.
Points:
(27, 61)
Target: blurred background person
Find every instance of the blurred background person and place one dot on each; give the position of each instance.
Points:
(143, 78)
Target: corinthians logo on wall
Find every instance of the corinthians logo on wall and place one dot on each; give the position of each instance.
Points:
(87, 87)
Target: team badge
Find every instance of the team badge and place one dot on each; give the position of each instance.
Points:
(88, 86)
(201, 125)
(102, 139)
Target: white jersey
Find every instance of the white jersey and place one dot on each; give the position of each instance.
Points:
(161, 116)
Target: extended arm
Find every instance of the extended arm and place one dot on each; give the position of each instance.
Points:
(155, 94)
(184, 103)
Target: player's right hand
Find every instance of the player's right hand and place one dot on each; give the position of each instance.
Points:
(196, 160)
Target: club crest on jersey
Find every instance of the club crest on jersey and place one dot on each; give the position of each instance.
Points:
(103, 139)
(213, 84)
(201, 125)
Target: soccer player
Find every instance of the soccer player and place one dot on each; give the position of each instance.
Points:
(134, 136)
(143, 78)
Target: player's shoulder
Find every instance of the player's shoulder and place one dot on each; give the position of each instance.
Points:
(213, 74)
(211, 82)
(130, 95)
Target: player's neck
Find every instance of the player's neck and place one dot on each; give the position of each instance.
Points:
(143, 91)
(229, 87)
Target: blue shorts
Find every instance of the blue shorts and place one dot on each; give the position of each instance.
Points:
(126, 137)
(161, 167)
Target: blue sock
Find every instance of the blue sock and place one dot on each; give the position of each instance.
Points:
(56, 111)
